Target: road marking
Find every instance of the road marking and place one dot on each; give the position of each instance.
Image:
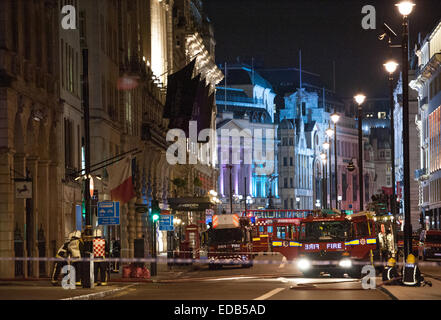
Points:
(98, 295)
(270, 294)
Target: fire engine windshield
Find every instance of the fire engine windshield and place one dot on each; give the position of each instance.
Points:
(220, 236)
(433, 238)
(325, 231)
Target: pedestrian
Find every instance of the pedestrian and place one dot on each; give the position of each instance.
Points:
(412, 275)
(100, 250)
(390, 273)
(62, 253)
(76, 253)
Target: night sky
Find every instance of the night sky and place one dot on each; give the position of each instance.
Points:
(273, 31)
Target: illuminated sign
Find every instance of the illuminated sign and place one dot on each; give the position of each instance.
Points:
(333, 246)
(312, 246)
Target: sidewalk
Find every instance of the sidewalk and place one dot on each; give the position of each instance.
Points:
(416, 293)
(44, 290)
(164, 272)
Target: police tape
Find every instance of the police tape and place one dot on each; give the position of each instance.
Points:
(238, 258)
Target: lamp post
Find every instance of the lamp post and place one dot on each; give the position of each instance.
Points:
(298, 203)
(323, 156)
(391, 67)
(326, 147)
(230, 166)
(405, 8)
(330, 134)
(359, 99)
(335, 117)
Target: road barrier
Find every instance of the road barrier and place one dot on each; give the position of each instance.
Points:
(164, 260)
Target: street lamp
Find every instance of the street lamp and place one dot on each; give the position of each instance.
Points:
(326, 147)
(298, 203)
(391, 67)
(335, 117)
(324, 157)
(359, 99)
(405, 8)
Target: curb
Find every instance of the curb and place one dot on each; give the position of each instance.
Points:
(98, 295)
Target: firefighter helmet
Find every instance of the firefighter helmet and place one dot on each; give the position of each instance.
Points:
(97, 233)
(391, 262)
(76, 234)
(410, 258)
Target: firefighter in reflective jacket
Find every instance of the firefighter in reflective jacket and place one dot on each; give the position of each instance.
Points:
(75, 251)
(62, 253)
(100, 250)
(390, 273)
(412, 275)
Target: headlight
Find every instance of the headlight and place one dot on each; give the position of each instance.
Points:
(303, 264)
(345, 263)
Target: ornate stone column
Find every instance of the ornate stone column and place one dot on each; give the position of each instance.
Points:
(6, 213)
(20, 204)
(32, 225)
(131, 226)
(43, 209)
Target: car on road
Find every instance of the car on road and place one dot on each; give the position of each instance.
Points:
(429, 244)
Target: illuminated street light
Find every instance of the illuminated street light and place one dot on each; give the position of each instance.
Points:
(326, 145)
(405, 7)
(330, 132)
(390, 66)
(360, 99)
(335, 117)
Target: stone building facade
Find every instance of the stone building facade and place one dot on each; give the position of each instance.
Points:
(427, 84)
(42, 136)
(31, 124)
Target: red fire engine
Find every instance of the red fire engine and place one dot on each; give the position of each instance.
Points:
(332, 243)
(269, 224)
(229, 241)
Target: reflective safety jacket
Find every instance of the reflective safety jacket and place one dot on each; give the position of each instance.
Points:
(390, 273)
(411, 275)
(76, 248)
(62, 252)
(99, 248)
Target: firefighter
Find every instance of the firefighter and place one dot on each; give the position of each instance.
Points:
(390, 244)
(412, 275)
(76, 252)
(390, 273)
(62, 253)
(100, 250)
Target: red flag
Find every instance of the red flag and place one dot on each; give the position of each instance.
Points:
(120, 181)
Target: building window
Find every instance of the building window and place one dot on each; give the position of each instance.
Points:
(285, 161)
(291, 183)
(69, 144)
(291, 161)
(285, 182)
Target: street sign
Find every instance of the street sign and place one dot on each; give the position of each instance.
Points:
(141, 208)
(108, 213)
(23, 189)
(166, 223)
